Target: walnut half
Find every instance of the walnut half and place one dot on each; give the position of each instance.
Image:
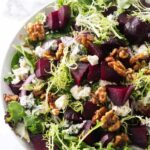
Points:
(111, 121)
(9, 98)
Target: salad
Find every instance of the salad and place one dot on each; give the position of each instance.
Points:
(80, 78)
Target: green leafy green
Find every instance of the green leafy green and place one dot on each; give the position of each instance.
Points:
(33, 124)
(15, 60)
(8, 78)
(16, 112)
(29, 56)
(40, 17)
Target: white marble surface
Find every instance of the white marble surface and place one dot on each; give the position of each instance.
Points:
(13, 14)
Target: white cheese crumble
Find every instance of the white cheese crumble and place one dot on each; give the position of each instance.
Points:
(75, 128)
(123, 110)
(142, 49)
(27, 101)
(67, 41)
(104, 83)
(61, 102)
(75, 50)
(79, 92)
(110, 17)
(22, 132)
(146, 121)
(21, 72)
(93, 60)
(39, 51)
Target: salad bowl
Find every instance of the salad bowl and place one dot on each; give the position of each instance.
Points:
(77, 77)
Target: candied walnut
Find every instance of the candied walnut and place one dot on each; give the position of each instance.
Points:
(138, 65)
(98, 114)
(147, 72)
(121, 139)
(121, 52)
(35, 31)
(111, 121)
(109, 59)
(9, 98)
(101, 94)
(118, 67)
(130, 74)
(59, 52)
(55, 111)
(138, 57)
(85, 39)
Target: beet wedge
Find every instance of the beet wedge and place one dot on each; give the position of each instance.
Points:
(94, 49)
(42, 68)
(52, 20)
(93, 73)
(89, 110)
(119, 94)
(109, 74)
(139, 136)
(38, 142)
(79, 73)
(64, 15)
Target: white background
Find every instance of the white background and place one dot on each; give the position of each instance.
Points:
(13, 14)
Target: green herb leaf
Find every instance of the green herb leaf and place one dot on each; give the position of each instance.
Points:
(33, 124)
(15, 60)
(16, 112)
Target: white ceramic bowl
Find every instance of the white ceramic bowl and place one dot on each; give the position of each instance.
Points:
(4, 88)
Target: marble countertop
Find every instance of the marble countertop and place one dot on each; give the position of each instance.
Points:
(13, 14)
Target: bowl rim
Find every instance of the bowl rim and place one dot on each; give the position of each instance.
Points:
(15, 37)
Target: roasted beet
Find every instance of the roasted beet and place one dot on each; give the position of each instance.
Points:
(109, 74)
(64, 15)
(16, 87)
(135, 27)
(53, 20)
(139, 136)
(107, 138)
(112, 43)
(38, 142)
(42, 68)
(122, 19)
(92, 137)
(94, 49)
(146, 3)
(109, 10)
(119, 94)
(79, 73)
(89, 110)
(71, 115)
(93, 73)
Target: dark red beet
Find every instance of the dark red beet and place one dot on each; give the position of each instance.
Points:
(139, 136)
(93, 73)
(119, 94)
(38, 142)
(122, 19)
(145, 3)
(92, 137)
(94, 49)
(16, 87)
(89, 110)
(135, 27)
(109, 74)
(107, 138)
(64, 15)
(71, 115)
(109, 10)
(79, 73)
(53, 21)
(42, 68)
(112, 43)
